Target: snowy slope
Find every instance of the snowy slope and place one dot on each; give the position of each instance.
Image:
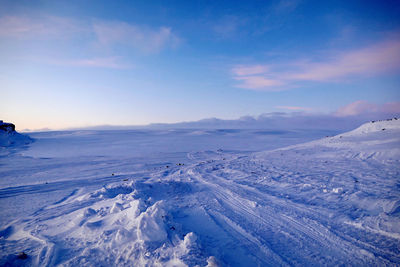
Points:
(378, 140)
(376, 126)
(334, 201)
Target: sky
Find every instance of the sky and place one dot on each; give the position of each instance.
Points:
(85, 63)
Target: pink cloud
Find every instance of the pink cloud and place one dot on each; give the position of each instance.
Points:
(355, 108)
(391, 107)
(380, 58)
(361, 107)
(254, 77)
(258, 82)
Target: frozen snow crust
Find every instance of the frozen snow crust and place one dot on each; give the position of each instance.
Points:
(334, 201)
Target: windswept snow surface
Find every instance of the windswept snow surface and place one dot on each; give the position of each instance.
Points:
(206, 198)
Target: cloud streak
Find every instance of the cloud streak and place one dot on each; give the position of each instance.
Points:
(228, 26)
(380, 58)
(23, 27)
(249, 70)
(362, 107)
(294, 108)
(102, 62)
(106, 33)
(144, 38)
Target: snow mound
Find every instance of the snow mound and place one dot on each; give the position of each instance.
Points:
(110, 227)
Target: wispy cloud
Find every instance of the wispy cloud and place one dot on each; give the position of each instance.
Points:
(286, 6)
(362, 107)
(228, 26)
(250, 70)
(259, 83)
(294, 108)
(44, 27)
(380, 58)
(108, 33)
(256, 77)
(145, 38)
(105, 62)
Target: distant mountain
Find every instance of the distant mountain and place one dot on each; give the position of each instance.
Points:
(275, 121)
(267, 121)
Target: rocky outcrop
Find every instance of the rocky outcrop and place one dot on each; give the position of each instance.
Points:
(7, 127)
(10, 137)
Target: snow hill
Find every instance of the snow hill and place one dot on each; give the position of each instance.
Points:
(377, 140)
(377, 126)
(334, 201)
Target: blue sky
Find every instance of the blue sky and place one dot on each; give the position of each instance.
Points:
(84, 63)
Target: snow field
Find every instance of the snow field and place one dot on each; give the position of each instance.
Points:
(334, 201)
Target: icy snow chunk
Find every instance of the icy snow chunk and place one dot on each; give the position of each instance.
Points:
(151, 224)
(123, 235)
(305, 187)
(89, 212)
(366, 253)
(95, 224)
(117, 207)
(5, 233)
(393, 207)
(134, 210)
(112, 191)
(337, 190)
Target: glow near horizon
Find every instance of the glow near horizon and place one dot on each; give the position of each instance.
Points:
(68, 64)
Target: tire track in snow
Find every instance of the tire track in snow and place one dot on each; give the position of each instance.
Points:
(312, 234)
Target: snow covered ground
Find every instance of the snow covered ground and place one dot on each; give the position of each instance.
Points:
(202, 197)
